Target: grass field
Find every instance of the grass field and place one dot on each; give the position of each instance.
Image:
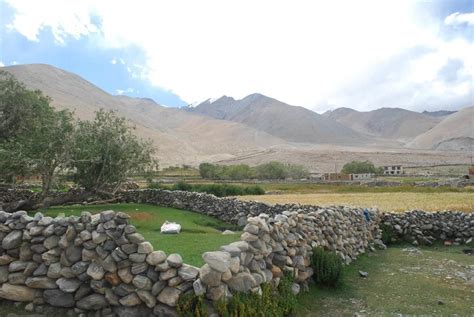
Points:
(434, 281)
(396, 201)
(199, 233)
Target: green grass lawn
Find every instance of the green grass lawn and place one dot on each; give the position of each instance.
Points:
(199, 233)
(399, 282)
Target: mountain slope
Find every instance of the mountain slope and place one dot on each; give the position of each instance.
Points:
(454, 132)
(181, 138)
(389, 123)
(291, 123)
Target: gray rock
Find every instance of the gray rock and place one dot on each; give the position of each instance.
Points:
(68, 285)
(164, 311)
(188, 272)
(92, 302)
(199, 288)
(169, 296)
(217, 260)
(147, 298)
(209, 276)
(174, 260)
(125, 275)
(145, 247)
(142, 282)
(95, 271)
(57, 298)
(41, 282)
(131, 299)
(12, 240)
(18, 293)
(156, 257)
(242, 282)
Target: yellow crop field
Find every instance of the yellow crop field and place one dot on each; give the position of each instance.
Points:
(396, 201)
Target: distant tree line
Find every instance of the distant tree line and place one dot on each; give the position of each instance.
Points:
(272, 171)
(361, 167)
(36, 139)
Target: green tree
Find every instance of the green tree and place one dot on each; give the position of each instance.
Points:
(271, 170)
(35, 139)
(297, 171)
(106, 151)
(359, 167)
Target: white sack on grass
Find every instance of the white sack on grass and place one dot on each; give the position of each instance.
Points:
(170, 227)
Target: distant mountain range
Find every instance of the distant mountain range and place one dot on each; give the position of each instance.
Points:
(226, 128)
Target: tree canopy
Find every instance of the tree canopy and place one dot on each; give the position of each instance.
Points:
(359, 167)
(36, 139)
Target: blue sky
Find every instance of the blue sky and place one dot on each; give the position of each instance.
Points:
(363, 55)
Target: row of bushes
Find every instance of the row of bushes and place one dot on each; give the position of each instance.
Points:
(270, 170)
(219, 190)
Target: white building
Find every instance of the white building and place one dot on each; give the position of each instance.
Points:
(362, 176)
(393, 170)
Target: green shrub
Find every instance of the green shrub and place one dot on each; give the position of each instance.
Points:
(182, 186)
(327, 267)
(358, 167)
(190, 305)
(388, 235)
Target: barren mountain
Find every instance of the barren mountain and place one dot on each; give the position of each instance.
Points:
(291, 123)
(389, 123)
(439, 113)
(181, 138)
(454, 132)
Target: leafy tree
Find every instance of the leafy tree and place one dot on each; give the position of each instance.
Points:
(297, 171)
(271, 170)
(106, 151)
(35, 137)
(359, 167)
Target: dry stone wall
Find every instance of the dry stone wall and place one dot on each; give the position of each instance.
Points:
(98, 265)
(92, 263)
(420, 227)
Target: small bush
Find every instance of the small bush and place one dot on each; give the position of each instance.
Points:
(327, 267)
(190, 305)
(388, 235)
(182, 186)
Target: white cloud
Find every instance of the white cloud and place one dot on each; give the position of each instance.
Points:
(1, 64)
(124, 91)
(305, 53)
(113, 61)
(459, 19)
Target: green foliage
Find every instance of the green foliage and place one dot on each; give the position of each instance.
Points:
(360, 167)
(190, 305)
(327, 267)
(105, 151)
(272, 302)
(271, 170)
(35, 139)
(219, 190)
(388, 234)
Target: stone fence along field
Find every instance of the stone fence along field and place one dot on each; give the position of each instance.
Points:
(99, 264)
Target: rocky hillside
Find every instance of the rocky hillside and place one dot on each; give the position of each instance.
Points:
(388, 123)
(291, 123)
(454, 132)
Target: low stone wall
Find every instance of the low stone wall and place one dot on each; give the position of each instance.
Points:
(420, 227)
(270, 246)
(89, 263)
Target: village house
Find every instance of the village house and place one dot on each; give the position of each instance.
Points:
(393, 170)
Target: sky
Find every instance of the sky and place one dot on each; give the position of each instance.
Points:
(321, 55)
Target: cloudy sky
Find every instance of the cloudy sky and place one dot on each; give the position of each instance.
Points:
(359, 54)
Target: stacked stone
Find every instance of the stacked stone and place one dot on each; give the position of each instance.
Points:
(89, 263)
(420, 227)
(270, 246)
